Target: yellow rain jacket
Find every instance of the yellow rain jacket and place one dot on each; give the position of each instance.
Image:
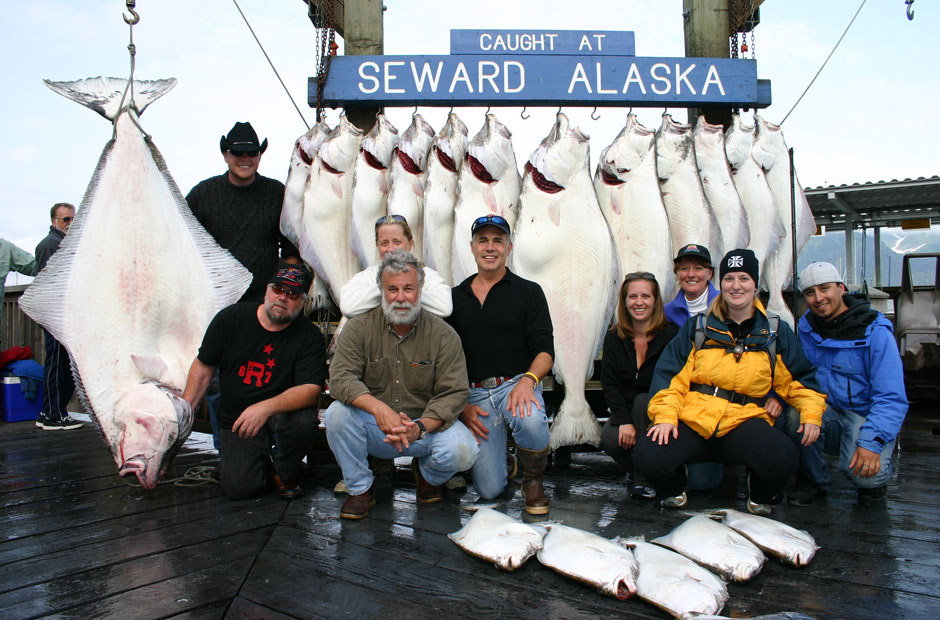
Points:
(792, 377)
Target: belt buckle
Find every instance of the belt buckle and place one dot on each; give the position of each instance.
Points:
(715, 391)
(489, 383)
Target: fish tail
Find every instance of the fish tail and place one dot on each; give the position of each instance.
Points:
(107, 96)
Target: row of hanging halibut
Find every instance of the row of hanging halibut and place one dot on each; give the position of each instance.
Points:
(651, 193)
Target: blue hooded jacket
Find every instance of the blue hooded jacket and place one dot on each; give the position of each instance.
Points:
(677, 310)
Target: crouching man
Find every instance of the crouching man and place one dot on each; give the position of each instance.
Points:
(399, 378)
(272, 367)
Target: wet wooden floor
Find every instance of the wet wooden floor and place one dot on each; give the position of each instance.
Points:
(78, 542)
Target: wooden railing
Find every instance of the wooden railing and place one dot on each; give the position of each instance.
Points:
(19, 329)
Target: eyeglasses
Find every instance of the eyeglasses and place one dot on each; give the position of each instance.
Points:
(496, 220)
(280, 290)
(245, 153)
(66, 219)
(639, 275)
(390, 219)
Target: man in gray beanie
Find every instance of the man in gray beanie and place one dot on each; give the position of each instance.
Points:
(858, 366)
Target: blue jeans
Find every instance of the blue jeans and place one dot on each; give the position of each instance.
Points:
(839, 433)
(354, 434)
(529, 432)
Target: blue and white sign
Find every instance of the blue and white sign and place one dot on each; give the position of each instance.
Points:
(542, 80)
(560, 42)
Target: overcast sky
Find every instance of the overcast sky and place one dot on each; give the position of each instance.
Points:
(868, 118)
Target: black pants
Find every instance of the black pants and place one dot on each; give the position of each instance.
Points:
(610, 432)
(245, 463)
(57, 375)
(768, 454)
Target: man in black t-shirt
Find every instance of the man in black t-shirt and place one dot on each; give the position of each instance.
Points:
(272, 368)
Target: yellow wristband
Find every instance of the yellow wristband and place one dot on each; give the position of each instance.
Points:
(532, 375)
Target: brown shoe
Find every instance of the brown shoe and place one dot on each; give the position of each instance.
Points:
(286, 489)
(533, 468)
(357, 506)
(426, 493)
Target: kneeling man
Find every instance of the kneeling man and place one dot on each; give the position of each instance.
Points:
(399, 378)
(272, 367)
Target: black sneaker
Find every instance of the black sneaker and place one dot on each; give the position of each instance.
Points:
(41, 419)
(64, 423)
(804, 492)
(868, 496)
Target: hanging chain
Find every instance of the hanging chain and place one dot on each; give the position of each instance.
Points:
(751, 26)
(321, 12)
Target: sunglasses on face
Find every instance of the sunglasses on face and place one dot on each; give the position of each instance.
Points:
(245, 154)
(639, 275)
(391, 219)
(65, 219)
(280, 290)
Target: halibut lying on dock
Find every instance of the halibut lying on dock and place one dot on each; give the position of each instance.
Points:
(716, 546)
(790, 545)
(133, 287)
(589, 558)
(675, 583)
(498, 538)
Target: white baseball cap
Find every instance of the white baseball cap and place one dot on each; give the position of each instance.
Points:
(819, 273)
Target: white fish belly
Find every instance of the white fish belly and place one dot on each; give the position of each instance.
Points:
(676, 584)
(573, 261)
(725, 203)
(793, 546)
(690, 218)
(292, 209)
(764, 224)
(406, 197)
(498, 538)
(369, 201)
(327, 204)
(639, 225)
(716, 546)
(589, 558)
(440, 199)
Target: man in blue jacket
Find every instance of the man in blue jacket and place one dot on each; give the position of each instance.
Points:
(858, 364)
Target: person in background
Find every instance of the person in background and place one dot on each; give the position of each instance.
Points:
(506, 331)
(13, 258)
(709, 394)
(631, 350)
(57, 371)
(271, 364)
(360, 294)
(859, 367)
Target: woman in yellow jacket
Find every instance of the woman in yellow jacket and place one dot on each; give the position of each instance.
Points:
(709, 398)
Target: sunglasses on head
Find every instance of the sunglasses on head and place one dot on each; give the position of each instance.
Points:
(391, 219)
(281, 290)
(245, 153)
(639, 275)
(489, 219)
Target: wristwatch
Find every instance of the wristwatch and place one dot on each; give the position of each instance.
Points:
(424, 431)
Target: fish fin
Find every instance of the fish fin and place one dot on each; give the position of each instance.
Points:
(151, 366)
(103, 95)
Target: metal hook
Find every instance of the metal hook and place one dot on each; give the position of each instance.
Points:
(595, 118)
(487, 113)
(134, 16)
(559, 111)
(451, 111)
(665, 110)
(523, 115)
(910, 9)
(415, 113)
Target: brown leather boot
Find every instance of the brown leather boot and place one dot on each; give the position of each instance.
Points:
(533, 468)
(357, 506)
(425, 492)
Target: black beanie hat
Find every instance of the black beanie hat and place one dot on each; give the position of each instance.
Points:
(740, 260)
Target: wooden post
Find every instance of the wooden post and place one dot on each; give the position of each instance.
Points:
(707, 31)
(363, 34)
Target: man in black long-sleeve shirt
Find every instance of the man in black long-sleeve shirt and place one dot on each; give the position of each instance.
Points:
(57, 371)
(241, 209)
(506, 330)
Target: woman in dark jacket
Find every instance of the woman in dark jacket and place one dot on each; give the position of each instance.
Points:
(630, 353)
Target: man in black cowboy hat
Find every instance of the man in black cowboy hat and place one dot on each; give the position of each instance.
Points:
(272, 368)
(242, 209)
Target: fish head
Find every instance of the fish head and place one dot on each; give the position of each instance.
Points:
(153, 422)
(492, 149)
(674, 144)
(633, 146)
(340, 149)
(709, 139)
(379, 144)
(307, 145)
(450, 144)
(416, 142)
(739, 141)
(769, 145)
(562, 154)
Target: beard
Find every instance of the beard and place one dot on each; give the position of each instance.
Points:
(400, 313)
(279, 314)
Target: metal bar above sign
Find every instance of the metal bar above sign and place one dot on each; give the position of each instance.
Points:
(543, 80)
